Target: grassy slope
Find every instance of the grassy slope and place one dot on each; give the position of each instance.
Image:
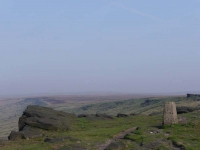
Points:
(90, 133)
(134, 106)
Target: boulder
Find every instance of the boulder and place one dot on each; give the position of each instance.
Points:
(37, 118)
(14, 135)
(45, 118)
(184, 109)
(30, 132)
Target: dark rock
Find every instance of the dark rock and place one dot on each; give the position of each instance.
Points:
(103, 115)
(153, 145)
(193, 95)
(117, 145)
(122, 115)
(27, 133)
(46, 118)
(134, 114)
(35, 118)
(155, 113)
(61, 139)
(82, 115)
(95, 116)
(148, 102)
(181, 110)
(30, 133)
(72, 148)
(15, 136)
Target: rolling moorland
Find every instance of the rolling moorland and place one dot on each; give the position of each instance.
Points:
(91, 132)
(12, 108)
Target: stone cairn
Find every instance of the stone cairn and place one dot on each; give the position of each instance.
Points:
(170, 114)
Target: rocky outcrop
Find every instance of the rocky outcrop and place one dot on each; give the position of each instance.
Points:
(104, 115)
(95, 116)
(37, 118)
(193, 95)
(170, 114)
(184, 109)
(121, 115)
(148, 102)
(45, 118)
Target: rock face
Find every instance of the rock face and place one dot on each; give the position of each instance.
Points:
(170, 114)
(35, 118)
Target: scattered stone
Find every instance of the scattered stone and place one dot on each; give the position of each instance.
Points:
(152, 145)
(82, 115)
(121, 115)
(61, 139)
(103, 115)
(117, 137)
(170, 114)
(155, 113)
(118, 145)
(182, 120)
(72, 147)
(95, 116)
(134, 114)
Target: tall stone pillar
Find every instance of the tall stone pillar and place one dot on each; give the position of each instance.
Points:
(170, 114)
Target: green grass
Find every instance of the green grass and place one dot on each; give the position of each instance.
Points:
(90, 133)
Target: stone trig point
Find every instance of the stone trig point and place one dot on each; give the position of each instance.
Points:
(170, 114)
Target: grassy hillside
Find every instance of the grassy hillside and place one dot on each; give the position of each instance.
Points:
(10, 112)
(141, 105)
(91, 133)
(12, 108)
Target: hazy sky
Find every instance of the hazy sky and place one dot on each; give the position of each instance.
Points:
(64, 46)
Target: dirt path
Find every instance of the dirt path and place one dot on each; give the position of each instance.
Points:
(121, 135)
